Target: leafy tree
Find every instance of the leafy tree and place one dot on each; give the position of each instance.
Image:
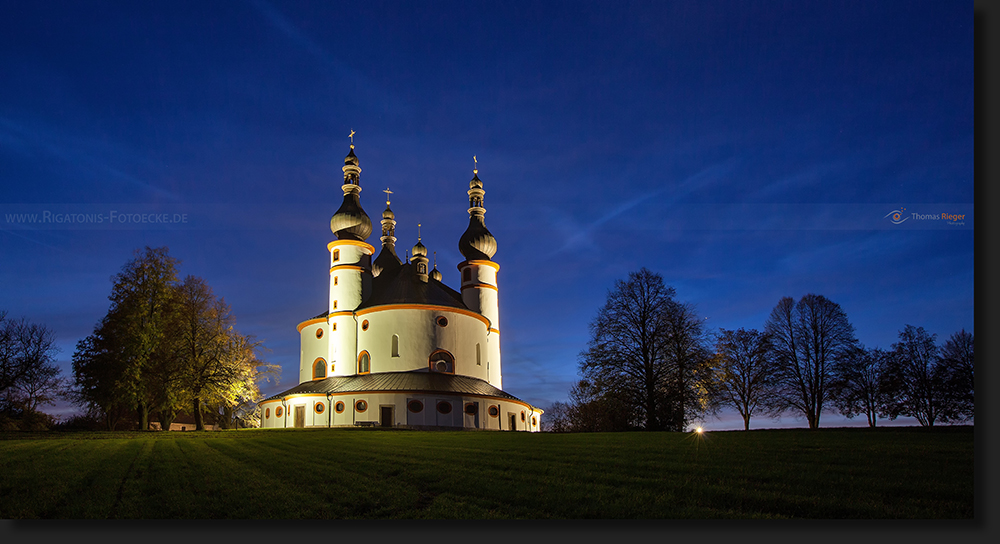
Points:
(595, 408)
(920, 380)
(860, 386)
(646, 353)
(98, 362)
(744, 371)
(958, 361)
(140, 299)
(807, 338)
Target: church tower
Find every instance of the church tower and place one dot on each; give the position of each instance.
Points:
(350, 268)
(479, 274)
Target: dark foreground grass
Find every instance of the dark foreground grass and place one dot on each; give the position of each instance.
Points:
(888, 473)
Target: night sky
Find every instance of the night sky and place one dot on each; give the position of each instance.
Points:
(746, 151)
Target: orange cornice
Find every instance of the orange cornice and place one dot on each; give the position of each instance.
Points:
(494, 330)
(362, 245)
(305, 324)
(491, 264)
(346, 267)
(338, 314)
(425, 307)
(480, 285)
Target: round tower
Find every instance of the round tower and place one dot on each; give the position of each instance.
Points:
(479, 274)
(350, 268)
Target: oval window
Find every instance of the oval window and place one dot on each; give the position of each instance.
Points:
(339, 407)
(494, 411)
(277, 412)
(267, 413)
(361, 406)
(533, 421)
(522, 416)
(319, 407)
(444, 407)
(364, 325)
(319, 333)
(415, 406)
(471, 408)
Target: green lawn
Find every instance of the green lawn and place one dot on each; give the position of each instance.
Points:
(353, 473)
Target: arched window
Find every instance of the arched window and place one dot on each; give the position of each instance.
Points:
(319, 369)
(421, 268)
(467, 274)
(442, 361)
(479, 357)
(364, 363)
(335, 280)
(395, 345)
(335, 305)
(336, 255)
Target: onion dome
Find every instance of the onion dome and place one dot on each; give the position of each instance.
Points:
(419, 250)
(351, 222)
(436, 274)
(477, 243)
(351, 159)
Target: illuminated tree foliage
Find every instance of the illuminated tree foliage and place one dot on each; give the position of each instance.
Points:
(744, 371)
(808, 338)
(646, 353)
(165, 346)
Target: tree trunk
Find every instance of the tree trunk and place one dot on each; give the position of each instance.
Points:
(143, 416)
(199, 424)
(746, 423)
(167, 416)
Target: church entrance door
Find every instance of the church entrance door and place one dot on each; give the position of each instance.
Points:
(385, 418)
(513, 422)
(300, 416)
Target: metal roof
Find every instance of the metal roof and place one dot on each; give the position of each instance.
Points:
(415, 381)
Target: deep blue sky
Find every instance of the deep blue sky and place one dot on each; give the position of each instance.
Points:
(746, 151)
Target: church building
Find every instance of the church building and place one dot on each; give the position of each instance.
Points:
(396, 346)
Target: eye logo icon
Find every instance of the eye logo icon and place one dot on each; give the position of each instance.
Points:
(896, 216)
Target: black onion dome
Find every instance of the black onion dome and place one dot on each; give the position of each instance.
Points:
(351, 158)
(477, 243)
(351, 222)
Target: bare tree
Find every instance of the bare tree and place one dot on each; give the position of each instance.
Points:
(744, 371)
(920, 381)
(556, 418)
(808, 338)
(29, 376)
(860, 386)
(647, 352)
(958, 367)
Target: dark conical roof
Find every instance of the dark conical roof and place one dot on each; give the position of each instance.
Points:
(402, 285)
(387, 260)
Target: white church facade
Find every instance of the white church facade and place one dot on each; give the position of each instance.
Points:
(396, 346)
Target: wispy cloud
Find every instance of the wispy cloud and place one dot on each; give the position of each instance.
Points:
(581, 235)
(98, 159)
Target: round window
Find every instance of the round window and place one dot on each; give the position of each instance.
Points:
(444, 407)
(471, 408)
(277, 412)
(442, 321)
(364, 325)
(319, 408)
(415, 406)
(339, 407)
(319, 333)
(361, 406)
(494, 411)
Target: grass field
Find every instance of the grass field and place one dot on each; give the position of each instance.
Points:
(887, 473)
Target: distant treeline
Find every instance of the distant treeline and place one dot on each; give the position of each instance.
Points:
(652, 364)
